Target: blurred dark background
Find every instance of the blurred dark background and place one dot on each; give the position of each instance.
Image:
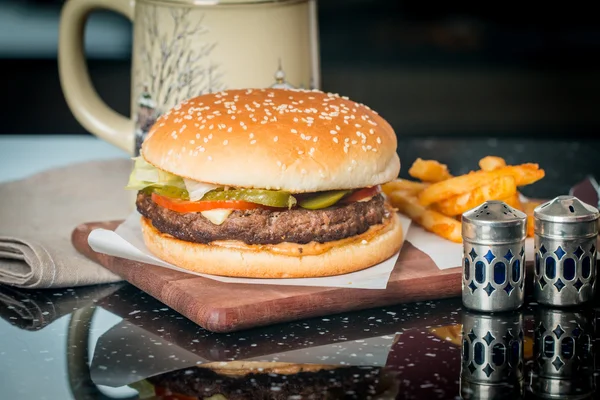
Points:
(460, 68)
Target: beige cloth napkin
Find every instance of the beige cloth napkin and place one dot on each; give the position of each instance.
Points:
(38, 215)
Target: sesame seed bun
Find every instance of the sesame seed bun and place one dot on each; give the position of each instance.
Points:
(256, 261)
(294, 140)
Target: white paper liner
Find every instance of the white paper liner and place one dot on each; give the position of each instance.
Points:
(127, 242)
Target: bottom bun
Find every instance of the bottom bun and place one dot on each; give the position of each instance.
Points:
(250, 261)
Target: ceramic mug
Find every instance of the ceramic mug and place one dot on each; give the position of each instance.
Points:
(184, 48)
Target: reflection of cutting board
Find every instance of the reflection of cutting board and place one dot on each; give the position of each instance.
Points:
(226, 307)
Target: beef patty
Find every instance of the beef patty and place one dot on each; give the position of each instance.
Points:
(261, 226)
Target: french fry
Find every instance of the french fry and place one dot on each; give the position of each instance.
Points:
(405, 185)
(524, 174)
(431, 220)
(499, 188)
(429, 171)
(514, 201)
(528, 207)
(491, 163)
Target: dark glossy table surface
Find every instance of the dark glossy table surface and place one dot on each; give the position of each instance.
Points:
(97, 342)
(104, 341)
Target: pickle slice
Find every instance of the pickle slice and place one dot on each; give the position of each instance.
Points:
(271, 198)
(170, 191)
(323, 199)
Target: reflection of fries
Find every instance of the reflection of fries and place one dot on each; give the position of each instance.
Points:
(404, 185)
(498, 188)
(491, 163)
(528, 208)
(429, 171)
(524, 174)
(432, 221)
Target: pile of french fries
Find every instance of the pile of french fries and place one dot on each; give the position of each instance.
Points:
(437, 200)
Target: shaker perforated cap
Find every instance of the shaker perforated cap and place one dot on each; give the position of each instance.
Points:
(494, 222)
(566, 217)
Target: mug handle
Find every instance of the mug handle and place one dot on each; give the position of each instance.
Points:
(83, 100)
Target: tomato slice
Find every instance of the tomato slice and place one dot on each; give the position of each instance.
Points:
(185, 206)
(361, 194)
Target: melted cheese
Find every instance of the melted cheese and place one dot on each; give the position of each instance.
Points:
(309, 249)
(217, 216)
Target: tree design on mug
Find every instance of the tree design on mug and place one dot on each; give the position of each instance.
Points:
(175, 65)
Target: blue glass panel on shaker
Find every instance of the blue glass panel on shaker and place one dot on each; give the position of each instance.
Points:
(567, 347)
(516, 270)
(478, 353)
(569, 269)
(550, 268)
(586, 268)
(499, 273)
(498, 354)
(548, 347)
(467, 268)
(480, 271)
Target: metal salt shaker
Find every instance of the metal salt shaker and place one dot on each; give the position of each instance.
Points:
(492, 356)
(494, 257)
(566, 231)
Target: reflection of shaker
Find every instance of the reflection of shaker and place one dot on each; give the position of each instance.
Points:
(492, 356)
(565, 252)
(494, 257)
(563, 354)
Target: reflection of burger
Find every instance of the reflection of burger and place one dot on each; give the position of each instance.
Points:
(268, 183)
(241, 380)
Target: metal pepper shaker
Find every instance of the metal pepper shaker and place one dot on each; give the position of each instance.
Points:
(494, 257)
(566, 231)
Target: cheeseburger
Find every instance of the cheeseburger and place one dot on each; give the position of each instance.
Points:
(268, 183)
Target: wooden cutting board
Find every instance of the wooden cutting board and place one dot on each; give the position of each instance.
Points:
(227, 307)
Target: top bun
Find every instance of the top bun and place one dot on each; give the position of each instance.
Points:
(294, 140)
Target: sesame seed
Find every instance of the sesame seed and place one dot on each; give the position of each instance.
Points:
(357, 125)
(279, 163)
(209, 158)
(303, 171)
(294, 131)
(197, 136)
(192, 141)
(252, 141)
(300, 152)
(378, 140)
(333, 132)
(335, 139)
(354, 142)
(210, 126)
(229, 129)
(210, 136)
(337, 127)
(225, 142)
(276, 138)
(205, 140)
(251, 135)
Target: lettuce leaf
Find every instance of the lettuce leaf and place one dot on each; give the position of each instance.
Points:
(145, 175)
